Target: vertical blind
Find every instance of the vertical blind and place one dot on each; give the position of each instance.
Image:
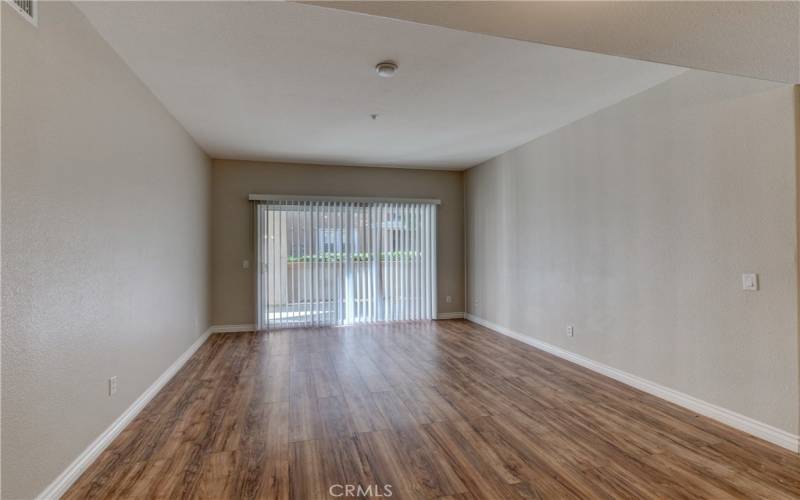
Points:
(329, 262)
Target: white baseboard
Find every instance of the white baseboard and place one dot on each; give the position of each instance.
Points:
(738, 421)
(85, 459)
(232, 328)
(251, 328)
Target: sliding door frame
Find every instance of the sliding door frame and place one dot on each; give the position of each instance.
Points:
(261, 223)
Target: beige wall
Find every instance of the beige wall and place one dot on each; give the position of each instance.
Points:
(232, 239)
(105, 241)
(635, 225)
(797, 222)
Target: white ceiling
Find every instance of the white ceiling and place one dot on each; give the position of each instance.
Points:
(291, 82)
(755, 39)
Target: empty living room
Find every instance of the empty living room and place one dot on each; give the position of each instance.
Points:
(451, 250)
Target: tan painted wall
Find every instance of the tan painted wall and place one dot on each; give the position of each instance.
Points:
(105, 241)
(233, 287)
(797, 218)
(635, 225)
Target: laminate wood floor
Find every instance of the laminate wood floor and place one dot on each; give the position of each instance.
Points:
(444, 409)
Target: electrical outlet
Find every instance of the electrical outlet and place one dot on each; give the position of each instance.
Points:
(570, 331)
(750, 282)
(112, 385)
(449, 299)
(245, 264)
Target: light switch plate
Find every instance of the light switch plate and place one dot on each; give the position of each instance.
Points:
(750, 282)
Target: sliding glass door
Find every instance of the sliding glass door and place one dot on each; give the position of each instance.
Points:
(337, 262)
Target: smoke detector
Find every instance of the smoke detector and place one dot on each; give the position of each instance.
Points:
(386, 69)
